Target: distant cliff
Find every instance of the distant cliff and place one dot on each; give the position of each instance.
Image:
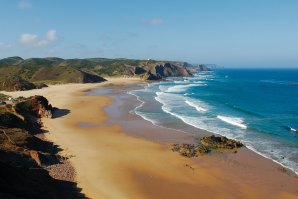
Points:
(27, 72)
(198, 68)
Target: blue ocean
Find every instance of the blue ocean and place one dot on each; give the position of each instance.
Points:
(258, 107)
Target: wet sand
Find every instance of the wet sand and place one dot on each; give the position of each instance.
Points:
(119, 155)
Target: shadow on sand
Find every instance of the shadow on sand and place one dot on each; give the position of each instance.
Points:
(60, 113)
(34, 183)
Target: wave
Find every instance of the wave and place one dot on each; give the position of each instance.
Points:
(292, 168)
(180, 88)
(243, 110)
(196, 106)
(183, 105)
(289, 128)
(185, 94)
(272, 81)
(233, 120)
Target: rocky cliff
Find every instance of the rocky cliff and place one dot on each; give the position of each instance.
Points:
(24, 155)
(166, 69)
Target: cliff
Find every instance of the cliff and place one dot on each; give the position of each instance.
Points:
(166, 69)
(25, 156)
(198, 68)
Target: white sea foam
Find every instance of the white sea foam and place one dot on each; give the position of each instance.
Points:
(198, 82)
(185, 94)
(233, 120)
(163, 88)
(174, 103)
(180, 88)
(292, 168)
(196, 106)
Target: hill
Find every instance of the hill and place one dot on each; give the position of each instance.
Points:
(56, 70)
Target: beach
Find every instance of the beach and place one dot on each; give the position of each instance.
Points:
(117, 154)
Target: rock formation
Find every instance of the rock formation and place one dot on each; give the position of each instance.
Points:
(220, 142)
(25, 156)
(206, 145)
(16, 83)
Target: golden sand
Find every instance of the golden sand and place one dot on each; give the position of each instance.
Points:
(111, 164)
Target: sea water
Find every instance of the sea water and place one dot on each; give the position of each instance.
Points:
(258, 107)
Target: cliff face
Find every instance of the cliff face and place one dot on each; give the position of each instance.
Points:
(25, 156)
(15, 83)
(167, 69)
(199, 68)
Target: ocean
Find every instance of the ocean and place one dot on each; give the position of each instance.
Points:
(258, 107)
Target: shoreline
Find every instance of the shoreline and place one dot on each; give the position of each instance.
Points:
(203, 132)
(210, 132)
(73, 96)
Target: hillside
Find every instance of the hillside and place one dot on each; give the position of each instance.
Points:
(57, 70)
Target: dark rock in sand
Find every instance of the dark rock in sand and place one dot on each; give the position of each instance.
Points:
(190, 150)
(206, 145)
(220, 142)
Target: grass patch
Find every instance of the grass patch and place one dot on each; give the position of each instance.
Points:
(3, 97)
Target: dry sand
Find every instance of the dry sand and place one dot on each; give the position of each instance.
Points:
(112, 164)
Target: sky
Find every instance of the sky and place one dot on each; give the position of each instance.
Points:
(235, 33)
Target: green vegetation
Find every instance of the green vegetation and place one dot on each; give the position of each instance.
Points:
(24, 107)
(55, 70)
(3, 97)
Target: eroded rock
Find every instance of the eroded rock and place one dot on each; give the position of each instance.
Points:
(220, 142)
(206, 145)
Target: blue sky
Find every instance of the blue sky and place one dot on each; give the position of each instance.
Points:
(234, 33)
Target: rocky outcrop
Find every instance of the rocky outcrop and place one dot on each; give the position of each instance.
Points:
(199, 68)
(207, 144)
(166, 69)
(203, 67)
(90, 78)
(37, 106)
(151, 76)
(220, 142)
(25, 156)
(16, 83)
(139, 70)
(190, 150)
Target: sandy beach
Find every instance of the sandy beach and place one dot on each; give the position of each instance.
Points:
(119, 155)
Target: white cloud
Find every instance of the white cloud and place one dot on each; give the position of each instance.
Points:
(24, 5)
(28, 38)
(156, 21)
(51, 35)
(34, 40)
(4, 45)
